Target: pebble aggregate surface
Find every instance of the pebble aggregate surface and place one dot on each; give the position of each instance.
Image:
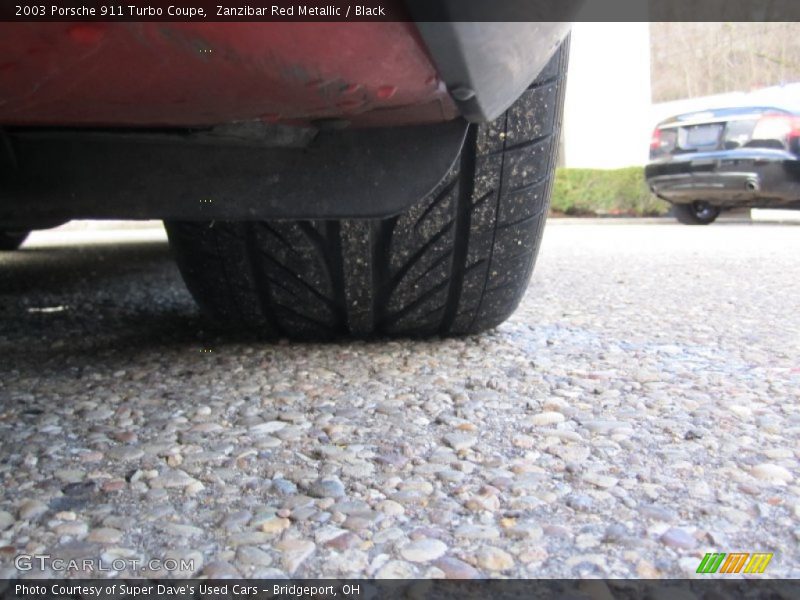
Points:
(641, 408)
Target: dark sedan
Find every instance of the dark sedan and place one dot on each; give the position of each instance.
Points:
(710, 161)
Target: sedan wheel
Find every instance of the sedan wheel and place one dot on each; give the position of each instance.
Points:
(698, 212)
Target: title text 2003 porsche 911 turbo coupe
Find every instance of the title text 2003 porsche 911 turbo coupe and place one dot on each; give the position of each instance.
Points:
(316, 180)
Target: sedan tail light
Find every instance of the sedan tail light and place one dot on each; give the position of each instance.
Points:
(655, 139)
(662, 141)
(781, 128)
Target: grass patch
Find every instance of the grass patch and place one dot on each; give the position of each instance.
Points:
(589, 192)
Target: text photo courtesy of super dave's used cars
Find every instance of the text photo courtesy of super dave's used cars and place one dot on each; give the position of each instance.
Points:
(335, 359)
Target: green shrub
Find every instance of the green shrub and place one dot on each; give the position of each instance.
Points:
(604, 192)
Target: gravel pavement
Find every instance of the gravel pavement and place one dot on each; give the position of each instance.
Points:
(640, 409)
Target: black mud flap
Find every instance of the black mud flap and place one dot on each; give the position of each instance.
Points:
(361, 173)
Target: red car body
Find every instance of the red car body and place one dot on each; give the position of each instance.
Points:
(205, 74)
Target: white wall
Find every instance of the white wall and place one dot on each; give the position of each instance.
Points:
(607, 115)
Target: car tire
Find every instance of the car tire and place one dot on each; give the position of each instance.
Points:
(696, 213)
(12, 240)
(456, 262)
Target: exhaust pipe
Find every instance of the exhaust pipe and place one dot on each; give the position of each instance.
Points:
(752, 185)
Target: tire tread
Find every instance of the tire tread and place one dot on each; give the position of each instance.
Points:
(456, 262)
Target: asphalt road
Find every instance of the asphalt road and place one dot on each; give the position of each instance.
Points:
(639, 410)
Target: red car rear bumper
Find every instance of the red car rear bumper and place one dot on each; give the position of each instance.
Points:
(188, 74)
